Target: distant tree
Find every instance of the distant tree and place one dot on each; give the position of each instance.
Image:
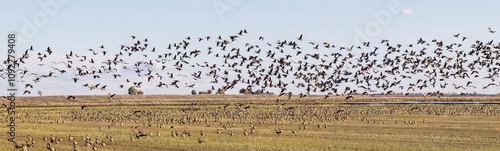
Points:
(132, 91)
(140, 93)
(209, 91)
(221, 91)
(202, 92)
(258, 91)
(193, 92)
(244, 91)
(250, 91)
(39, 93)
(267, 92)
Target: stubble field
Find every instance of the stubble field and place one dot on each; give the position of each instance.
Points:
(244, 125)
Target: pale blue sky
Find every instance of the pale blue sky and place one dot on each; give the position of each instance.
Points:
(79, 25)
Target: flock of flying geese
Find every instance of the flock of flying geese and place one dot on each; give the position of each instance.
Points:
(429, 65)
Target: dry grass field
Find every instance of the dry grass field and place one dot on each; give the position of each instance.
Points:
(242, 122)
(223, 99)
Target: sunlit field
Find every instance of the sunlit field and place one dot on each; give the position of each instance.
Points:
(238, 75)
(261, 125)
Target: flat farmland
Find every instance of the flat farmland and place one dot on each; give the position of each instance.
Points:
(247, 123)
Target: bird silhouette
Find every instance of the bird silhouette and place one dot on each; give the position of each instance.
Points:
(490, 30)
(71, 97)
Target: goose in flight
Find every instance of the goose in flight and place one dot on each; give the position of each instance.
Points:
(490, 30)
